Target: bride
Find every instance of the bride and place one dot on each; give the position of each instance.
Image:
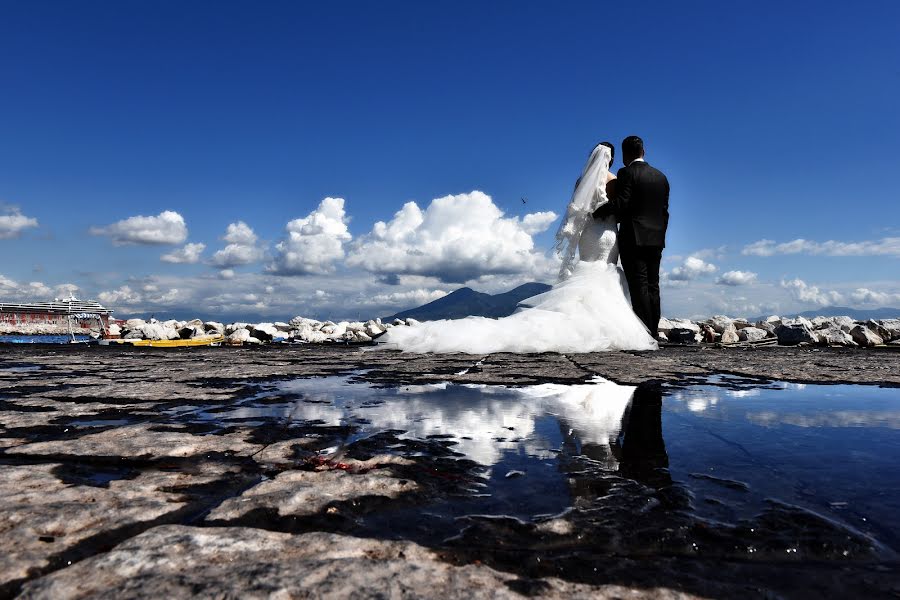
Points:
(588, 309)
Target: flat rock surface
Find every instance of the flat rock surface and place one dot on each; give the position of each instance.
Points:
(135, 472)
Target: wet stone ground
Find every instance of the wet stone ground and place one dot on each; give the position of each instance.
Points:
(334, 472)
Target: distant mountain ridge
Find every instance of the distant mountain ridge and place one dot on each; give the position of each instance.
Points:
(466, 302)
(844, 311)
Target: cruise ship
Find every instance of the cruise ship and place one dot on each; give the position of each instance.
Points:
(60, 321)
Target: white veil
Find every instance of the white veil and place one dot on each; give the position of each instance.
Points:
(589, 194)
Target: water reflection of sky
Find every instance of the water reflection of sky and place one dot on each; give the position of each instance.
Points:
(832, 449)
(485, 421)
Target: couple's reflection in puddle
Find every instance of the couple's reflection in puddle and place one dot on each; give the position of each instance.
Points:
(617, 427)
(635, 449)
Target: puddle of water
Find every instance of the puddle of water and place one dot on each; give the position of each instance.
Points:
(21, 369)
(734, 446)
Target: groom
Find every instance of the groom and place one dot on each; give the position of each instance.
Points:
(641, 206)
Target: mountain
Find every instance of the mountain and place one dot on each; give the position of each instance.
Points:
(466, 302)
(840, 311)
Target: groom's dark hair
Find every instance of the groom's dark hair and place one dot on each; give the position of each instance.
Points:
(612, 150)
(632, 147)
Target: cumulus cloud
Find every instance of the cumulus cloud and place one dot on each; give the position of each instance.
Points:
(735, 278)
(314, 243)
(812, 294)
(692, 268)
(15, 291)
(14, 223)
(867, 296)
(455, 239)
(889, 246)
(148, 293)
(241, 248)
(408, 298)
(189, 254)
(168, 227)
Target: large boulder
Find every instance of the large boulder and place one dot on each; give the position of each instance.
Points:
(282, 327)
(214, 327)
(232, 327)
(834, 336)
(664, 325)
(892, 327)
(114, 329)
(266, 332)
(132, 324)
(845, 323)
(159, 331)
(876, 328)
(191, 331)
(683, 335)
(373, 328)
(766, 326)
(685, 324)
(242, 336)
(799, 321)
(820, 322)
(730, 335)
(752, 334)
(742, 323)
(719, 323)
(791, 334)
(865, 337)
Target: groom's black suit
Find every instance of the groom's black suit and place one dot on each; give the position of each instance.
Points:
(641, 206)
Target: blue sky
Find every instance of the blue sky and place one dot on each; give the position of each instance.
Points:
(773, 121)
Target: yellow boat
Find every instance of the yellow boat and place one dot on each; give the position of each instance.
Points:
(203, 341)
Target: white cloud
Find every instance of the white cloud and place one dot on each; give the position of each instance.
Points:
(167, 227)
(537, 222)
(889, 246)
(692, 268)
(314, 243)
(241, 248)
(456, 239)
(148, 294)
(12, 224)
(407, 299)
(189, 254)
(735, 278)
(867, 296)
(14, 291)
(812, 294)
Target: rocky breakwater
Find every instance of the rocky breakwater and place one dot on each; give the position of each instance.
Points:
(297, 330)
(819, 331)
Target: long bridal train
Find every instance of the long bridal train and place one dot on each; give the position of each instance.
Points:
(587, 312)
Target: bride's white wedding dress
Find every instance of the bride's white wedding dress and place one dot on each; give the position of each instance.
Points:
(586, 311)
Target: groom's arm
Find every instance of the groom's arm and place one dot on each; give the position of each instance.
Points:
(619, 202)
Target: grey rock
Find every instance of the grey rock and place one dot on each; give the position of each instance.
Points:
(865, 337)
(665, 325)
(835, 336)
(752, 334)
(685, 324)
(214, 327)
(175, 561)
(730, 334)
(680, 335)
(876, 328)
(795, 333)
(140, 441)
(43, 516)
(892, 327)
(845, 323)
(766, 326)
(719, 323)
(300, 493)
